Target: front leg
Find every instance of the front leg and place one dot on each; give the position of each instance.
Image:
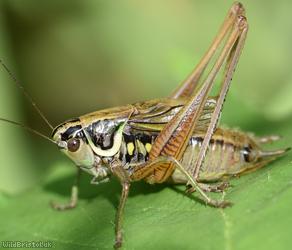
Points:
(123, 177)
(74, 196)
(120, 213)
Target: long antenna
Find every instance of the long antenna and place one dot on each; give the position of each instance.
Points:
(28, 129)
(28, 97)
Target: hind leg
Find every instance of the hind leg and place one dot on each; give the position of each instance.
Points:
(207, 187)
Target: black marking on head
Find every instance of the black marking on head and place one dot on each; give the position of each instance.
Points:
(63, 124)
(56, 129)
(68, 133)
(73, 120)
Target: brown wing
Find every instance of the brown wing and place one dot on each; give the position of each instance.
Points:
(154, 114)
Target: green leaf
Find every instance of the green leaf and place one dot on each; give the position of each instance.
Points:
(156, 217)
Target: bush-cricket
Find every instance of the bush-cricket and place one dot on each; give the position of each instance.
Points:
(174, 139)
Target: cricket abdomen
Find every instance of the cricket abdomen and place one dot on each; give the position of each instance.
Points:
(230, 153)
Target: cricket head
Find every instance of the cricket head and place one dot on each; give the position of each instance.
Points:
(71, 141)
(89, 145)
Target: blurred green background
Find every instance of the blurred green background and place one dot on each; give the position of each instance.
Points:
(75, 57)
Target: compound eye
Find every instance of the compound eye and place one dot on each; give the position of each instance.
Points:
(73, 144)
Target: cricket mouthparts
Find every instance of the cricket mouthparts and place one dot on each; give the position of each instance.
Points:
(62, 145)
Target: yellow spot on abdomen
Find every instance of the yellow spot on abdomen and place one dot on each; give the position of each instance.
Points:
(148, 147)
(130, 148)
